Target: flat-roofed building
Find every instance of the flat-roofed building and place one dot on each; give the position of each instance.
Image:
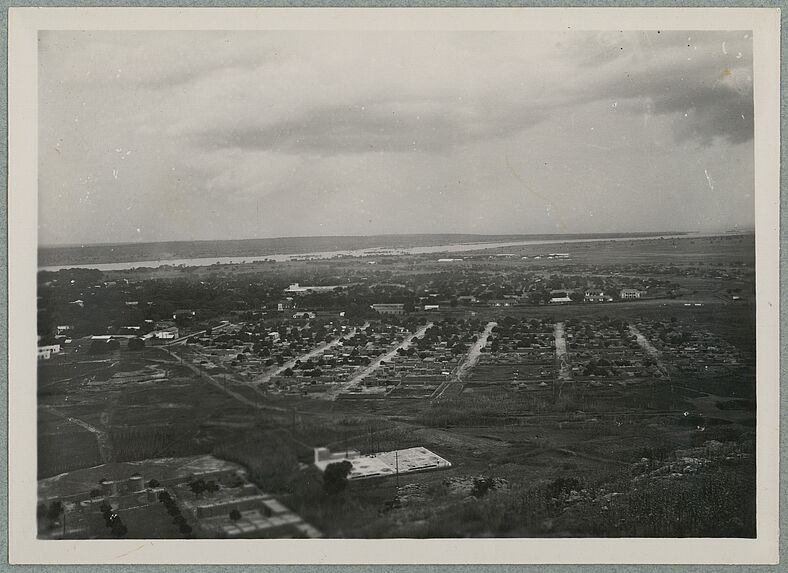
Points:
(382, 464)
(389, 308)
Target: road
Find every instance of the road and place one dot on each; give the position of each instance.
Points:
(182, 339)
(564, 371)
(222, 385)
(355, 380)
(466, 365)
(265, 378)
(649, 348)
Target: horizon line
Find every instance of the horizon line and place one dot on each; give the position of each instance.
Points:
(125, 243)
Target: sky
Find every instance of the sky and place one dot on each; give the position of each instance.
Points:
(160, 136)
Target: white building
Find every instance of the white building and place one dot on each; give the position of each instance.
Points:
(382, 464)
(630, 293)
(46, 352)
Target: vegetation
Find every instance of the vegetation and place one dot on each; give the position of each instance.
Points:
(335, 477)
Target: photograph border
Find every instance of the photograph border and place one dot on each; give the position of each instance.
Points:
(22, 244)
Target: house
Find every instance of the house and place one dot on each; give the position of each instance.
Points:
(596, 296)
(286, 304)
(64, 329)
(305, 314)
(184, 314)
(560, 296)
(170, 333)
(429, 307)
(630, 293)
(46, 352)
(389, 308)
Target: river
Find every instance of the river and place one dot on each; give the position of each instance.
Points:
(377, 251)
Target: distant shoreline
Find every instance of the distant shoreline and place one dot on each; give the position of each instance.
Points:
(296, 248)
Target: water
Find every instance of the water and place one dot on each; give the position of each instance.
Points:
(376, 251)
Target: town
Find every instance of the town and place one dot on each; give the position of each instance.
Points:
(539, 390)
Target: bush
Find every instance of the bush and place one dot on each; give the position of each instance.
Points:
(335, 477)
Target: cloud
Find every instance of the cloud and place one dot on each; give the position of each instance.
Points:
(702, 79)
(405, 102)
(303, 132)
(383, 127)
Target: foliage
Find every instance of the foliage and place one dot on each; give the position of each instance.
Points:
(335, 477)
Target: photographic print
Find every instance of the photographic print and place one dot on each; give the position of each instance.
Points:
(397, 283)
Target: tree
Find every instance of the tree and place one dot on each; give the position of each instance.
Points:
(235, 515)
(287, 372)
(154, 483)
(197, 487)
(55, 510)
(335, 477)
(136, 344)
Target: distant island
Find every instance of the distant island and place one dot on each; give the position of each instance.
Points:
(175, 250)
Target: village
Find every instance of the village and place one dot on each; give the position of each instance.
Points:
(311, 381)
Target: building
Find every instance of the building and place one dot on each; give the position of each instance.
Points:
(64, 329)
(285, 304)
(560, 297)
(46, 352)
(298, 289)
(304, 314)
(389, 308)
(382, 464)
(596, 296)
(630, 293)
(429, 307)
(184, 314)
(169, 333)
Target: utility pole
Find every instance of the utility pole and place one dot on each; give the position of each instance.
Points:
(396, 464)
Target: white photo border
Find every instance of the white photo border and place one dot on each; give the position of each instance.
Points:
(24, 548)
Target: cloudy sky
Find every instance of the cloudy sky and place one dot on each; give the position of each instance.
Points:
(149, 136)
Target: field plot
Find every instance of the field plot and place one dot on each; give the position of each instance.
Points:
(519, 354)
(430, 361)
(330, 371)
(693, 351)
(607, 350)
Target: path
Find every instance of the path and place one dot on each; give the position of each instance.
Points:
(561, 354)
(265, 378)
(355, 380)
(186, 337)
(650, 349)
(222, 385)
(105, 449)
(466, 365)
